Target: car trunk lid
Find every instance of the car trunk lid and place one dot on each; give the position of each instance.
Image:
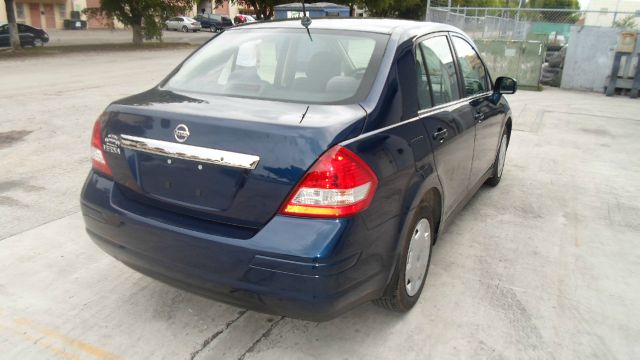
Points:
(231, 160)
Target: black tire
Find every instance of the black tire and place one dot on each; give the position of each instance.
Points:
(396, 297)
(185, 29)
(496, 175)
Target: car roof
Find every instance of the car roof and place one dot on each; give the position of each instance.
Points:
(386, 26)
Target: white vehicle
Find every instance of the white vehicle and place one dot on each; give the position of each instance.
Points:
(183, 23)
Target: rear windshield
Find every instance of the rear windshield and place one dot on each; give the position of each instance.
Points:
(285, 64)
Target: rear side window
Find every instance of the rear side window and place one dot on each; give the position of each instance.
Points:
(440, 69)
(424, 92)
(331, 67)
(473, 71)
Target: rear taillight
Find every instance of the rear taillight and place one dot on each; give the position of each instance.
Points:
(98, 159)
(339, 184)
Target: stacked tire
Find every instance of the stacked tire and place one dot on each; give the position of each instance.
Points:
(554, 63)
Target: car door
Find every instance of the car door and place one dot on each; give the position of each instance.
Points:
(4, 35)
(175, 23)
(217, 21)
(488, 115)
(447, 119)
(26, 36)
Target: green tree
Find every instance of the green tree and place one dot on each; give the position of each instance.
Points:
(262, 8)
(404, 9)
(557, 16)
(145, 17)
(14, 38)
(626, 23)
(351, 4)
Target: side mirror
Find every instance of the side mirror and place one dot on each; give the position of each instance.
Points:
(505, 85)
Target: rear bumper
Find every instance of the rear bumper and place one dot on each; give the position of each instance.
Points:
(301, 268)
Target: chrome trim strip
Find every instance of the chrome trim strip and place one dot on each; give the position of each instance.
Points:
(190, 152)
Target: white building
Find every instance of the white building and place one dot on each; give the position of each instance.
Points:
(610, 7)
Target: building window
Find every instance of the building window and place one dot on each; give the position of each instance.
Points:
(20, 10)
(62, 11)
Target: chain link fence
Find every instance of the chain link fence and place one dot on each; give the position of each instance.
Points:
(549, 25)
(526, 43)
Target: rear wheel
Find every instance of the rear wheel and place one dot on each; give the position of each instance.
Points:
(409, 276)
(185, 28)
(498, 165)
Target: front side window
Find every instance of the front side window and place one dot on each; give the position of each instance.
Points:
(473, 71)
(440, 69)
(424, 90)
(331, 67)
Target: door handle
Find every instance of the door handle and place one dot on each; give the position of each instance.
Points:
(440, 134)
(479, 116)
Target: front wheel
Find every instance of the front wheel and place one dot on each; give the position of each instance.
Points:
(411, 272)
(498, 165)
(38, 42)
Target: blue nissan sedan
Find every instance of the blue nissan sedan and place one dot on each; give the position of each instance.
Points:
(296, 171)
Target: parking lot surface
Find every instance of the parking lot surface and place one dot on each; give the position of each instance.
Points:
(118, 36)
(544, 266)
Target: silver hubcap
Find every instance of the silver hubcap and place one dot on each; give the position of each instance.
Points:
(418, 258)
(502, 155)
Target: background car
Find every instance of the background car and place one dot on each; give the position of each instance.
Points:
(183, 23)
(214, 22)
(29, 36)
(241, 19)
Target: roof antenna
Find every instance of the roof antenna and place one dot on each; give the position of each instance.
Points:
(306, 20)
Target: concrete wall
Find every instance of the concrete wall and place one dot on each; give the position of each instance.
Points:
(589, 58)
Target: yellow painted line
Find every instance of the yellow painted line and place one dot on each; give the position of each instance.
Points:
(67, 340)
(41, 343)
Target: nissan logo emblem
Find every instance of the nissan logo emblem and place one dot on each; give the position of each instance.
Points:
(181, 133)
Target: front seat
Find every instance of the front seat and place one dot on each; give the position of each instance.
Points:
(321, 68)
